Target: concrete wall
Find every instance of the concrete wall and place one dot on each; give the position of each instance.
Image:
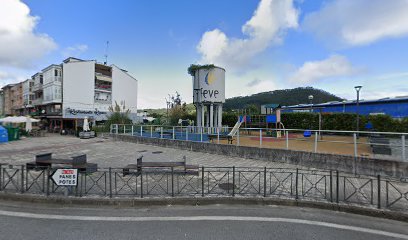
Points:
(343, 163)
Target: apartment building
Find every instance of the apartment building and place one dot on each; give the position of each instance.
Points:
(1, 102)
(63, 95)
(28, 96)
(90, 88)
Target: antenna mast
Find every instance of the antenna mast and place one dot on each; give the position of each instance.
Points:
(106, 53)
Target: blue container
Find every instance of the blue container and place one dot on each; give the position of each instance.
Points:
(3, 135)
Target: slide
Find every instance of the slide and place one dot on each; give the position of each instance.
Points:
(235, 128)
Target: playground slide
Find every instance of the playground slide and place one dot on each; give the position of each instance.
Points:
(235, 128)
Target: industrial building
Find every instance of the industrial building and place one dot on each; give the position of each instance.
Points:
(396, 107)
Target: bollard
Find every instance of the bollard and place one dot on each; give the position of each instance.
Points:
(110, 182)
(151, 131)
(296, 183)
(186, 134)
(201, 134)
(202, 181)
(287, 140)
(141, 131)
(315, 144)
(238, 137)
(174, 133)
(264, 181)
(379, 191)
(22, 178)
(161, 132)
(331, 186)
(260, 137)
(218, 135)
(172, 181)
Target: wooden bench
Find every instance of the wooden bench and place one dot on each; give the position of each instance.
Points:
(168, 167)
(44, 161)
(213, 137)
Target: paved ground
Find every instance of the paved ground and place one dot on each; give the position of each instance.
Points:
(108, 153)
(22, 221)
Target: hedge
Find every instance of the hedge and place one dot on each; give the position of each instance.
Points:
(334, 121)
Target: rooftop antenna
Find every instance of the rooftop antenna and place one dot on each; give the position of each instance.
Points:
(106, 53)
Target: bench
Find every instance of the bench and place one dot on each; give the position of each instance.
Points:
(380, 145)
(43, 161)
(212, 137)
(169, 167)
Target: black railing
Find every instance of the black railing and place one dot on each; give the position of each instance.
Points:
(301, 184)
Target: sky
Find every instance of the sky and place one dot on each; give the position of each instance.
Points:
(264, 45)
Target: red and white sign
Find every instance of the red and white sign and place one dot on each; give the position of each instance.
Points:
(65, 177)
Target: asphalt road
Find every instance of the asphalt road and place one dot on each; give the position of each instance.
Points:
(30, 221)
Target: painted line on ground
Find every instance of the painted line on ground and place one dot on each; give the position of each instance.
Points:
(201, 218)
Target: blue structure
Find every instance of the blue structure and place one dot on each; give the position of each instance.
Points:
(3, 135)
(394, 107)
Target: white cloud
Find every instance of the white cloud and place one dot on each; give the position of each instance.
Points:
(350, 23)
(19, 43)
(313, 71)
(75, 51)
(266, 27)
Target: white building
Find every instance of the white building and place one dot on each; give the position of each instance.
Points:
(28, 96)
(90, 88)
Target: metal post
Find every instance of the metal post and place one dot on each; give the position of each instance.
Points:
(186, 133)
(22, 178)
(141, 182)
(315, 143)
(260, 137)
(48, 181)
(296, 183)
(331, 186)
(117, 129)
(161, 132)
(238, 137)
(355, 144)
(172, 181)
(337, 186)
(1, 177)
(379, 191)
(264, 181)
(174, 133)
(201, 134)
(287, 140)
(141, 131)
(233, 180)
(403, 147)
(218, 135)
(151, 131)
(202, 181)
(110, 182)
(358, 114)
(124, 128)
(132, 130)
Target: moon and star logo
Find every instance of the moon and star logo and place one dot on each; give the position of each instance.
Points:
(210, 78)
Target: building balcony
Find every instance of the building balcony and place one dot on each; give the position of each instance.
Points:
(37, 102)
(102, 77)
(37, 87)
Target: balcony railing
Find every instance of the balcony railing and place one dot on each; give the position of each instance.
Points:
(37, 87)
(37, 101)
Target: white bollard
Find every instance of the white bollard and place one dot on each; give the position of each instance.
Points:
(287, 140)
(315, 145)
(355, 144)
(260, 137)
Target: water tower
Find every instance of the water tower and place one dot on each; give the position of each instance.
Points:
(208, 94)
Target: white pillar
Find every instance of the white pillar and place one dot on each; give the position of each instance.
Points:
(219, 115)
(207, 116)
(198, 115)
(202, 115)
(212, 115)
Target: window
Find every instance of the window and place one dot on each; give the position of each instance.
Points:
(56, 72)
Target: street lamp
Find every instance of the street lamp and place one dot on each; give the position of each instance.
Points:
(311, 102)
(358, 88)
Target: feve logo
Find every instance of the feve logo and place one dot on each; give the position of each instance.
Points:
(210, 78)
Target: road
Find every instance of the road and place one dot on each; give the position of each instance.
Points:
(35, 221)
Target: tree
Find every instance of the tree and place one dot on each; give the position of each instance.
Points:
(119, 115)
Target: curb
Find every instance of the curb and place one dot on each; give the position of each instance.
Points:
(194, 201)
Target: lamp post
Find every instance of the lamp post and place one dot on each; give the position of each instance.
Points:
(358, 88)
(311, 110)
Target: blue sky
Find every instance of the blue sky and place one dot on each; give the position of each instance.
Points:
(264, 45)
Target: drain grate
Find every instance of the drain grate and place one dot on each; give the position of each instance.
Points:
(227, 186)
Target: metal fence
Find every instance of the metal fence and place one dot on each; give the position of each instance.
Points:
(300, 184)
(387, 145)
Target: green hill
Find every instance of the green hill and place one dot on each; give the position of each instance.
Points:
(283, 97)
